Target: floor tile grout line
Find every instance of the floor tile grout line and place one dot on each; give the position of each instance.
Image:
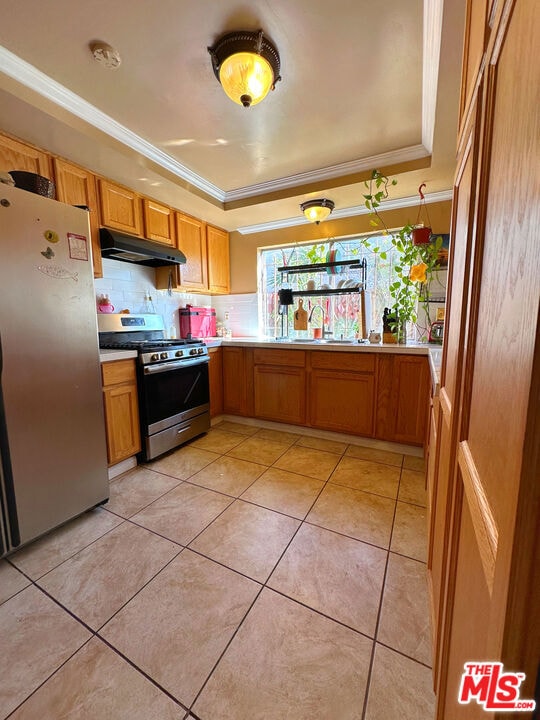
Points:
(320, 612)
(349, 537)
(403, 654)
(381, 598)
(214, 667)
(83, 622)
(263, 585)
(126, 659)
(52, 674)
(107, 532)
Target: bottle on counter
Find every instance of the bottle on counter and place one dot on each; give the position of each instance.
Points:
(227, 332)
(148, 306)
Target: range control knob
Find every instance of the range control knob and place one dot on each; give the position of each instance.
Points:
(179, 353)
(154, 356)
(164, 355)
(193, 351)
(200, 351)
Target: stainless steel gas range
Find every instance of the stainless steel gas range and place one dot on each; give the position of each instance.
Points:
(172, 380)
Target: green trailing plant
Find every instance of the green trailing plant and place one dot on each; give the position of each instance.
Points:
(416, 263)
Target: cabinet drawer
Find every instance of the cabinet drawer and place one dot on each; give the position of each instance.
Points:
(118, 371)
(358, 362)
(292, 358)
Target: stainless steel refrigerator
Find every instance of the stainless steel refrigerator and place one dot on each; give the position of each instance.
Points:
(52, 437)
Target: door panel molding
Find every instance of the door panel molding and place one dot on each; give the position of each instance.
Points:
(485, 527)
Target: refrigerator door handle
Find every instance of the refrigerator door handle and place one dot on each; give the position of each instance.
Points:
(9, 523)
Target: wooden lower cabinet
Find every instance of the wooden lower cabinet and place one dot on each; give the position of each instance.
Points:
(402, 398)
(342, 402)
(215, 374)
(238, 381)
(342, 392)
(366, 394)
(121, 409)
(280, 393)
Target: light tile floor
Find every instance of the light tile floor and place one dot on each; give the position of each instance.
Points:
(251, 575)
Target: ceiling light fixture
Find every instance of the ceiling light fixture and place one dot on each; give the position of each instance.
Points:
(247, 65)
(317, 210)
(105, 54)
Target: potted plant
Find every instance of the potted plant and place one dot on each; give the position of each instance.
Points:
(412, 273)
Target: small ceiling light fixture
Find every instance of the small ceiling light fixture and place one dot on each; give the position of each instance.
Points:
(247, 65)
(317, 210)
(105, 54)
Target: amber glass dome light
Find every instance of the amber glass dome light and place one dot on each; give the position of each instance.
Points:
(247, 65)
(317, 210)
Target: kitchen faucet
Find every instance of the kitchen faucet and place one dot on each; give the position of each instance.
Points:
(325, 333)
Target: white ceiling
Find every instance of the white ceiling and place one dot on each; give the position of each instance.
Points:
(362, 87)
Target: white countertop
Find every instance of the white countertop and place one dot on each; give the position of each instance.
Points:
(433, 351)
(327, 346)
(110, 355)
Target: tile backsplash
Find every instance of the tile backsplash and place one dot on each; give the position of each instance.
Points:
(242, 310)
(127, 285)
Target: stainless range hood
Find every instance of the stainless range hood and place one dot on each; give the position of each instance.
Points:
(138, 251)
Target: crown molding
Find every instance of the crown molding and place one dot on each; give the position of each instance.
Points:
(394, 157)
(433, 17)
(345, 213)
(29, 76)
(32, 78)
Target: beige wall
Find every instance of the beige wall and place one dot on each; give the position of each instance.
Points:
(244, 247)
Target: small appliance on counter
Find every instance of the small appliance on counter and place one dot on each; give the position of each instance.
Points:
(197, 322)
(436, 332)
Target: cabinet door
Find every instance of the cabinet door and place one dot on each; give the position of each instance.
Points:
(215, 375)
(342, 401)
(191, 235)
(159, 222)
(120, 208)
(15, 155)
(402, 399)
(234, 381)
(122, 422)
(218, 260)
(280, 393)
(77, 186)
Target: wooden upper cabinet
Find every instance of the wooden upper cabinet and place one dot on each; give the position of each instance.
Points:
(15, 155)
(77, 186)
(159, 222)
(120, 208)
(218, 260)
(191, 234)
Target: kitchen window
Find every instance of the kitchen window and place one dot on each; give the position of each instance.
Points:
(340, 310)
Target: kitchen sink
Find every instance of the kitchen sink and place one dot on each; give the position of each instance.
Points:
(318, 341)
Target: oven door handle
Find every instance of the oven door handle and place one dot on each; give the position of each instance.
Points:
(174, 365)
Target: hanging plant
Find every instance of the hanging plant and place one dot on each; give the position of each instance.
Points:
(421, 233)
(416, 263)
